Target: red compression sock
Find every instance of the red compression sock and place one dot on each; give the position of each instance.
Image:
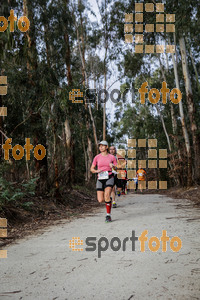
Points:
(108, 207)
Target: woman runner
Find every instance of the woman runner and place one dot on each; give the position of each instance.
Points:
(112, 151)
(105, 182)
(117, 182)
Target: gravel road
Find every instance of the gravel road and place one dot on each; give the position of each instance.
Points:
(43, 266)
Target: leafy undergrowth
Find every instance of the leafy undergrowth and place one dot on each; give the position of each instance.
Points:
(192, 194)
(31, 213)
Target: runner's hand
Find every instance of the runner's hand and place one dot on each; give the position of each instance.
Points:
(98, 171)
(113, 166)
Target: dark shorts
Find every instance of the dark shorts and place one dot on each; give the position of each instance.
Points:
(123, 182)
(115, 179)
(119, 183)
(102, 184)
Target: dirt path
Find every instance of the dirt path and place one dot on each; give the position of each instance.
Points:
(44, 267)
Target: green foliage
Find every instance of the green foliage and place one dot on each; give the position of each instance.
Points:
(30, 186)
(11, 194)
(27, 205)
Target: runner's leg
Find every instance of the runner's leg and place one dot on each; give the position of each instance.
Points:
(113, 192)
(100, 186)
(100, 196)
(124, 186)
(113, 197)
(108, 202)
(140, 186)
(107, 193)
(119, 186)
(100, 190)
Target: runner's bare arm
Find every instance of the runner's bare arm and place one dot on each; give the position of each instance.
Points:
(113, 164)
(92, 169)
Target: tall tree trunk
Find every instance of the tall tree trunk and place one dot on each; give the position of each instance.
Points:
(104, 105)
(86, 160)
(69, 143)
(1, 136)
(69, 166)
(83, 47)
(194, 66)
(104, 18)
(184, 128)
(47, 44)
(191, 110)
(68, 58)
(41, 166)
(105, 68)
(30, 35)
(85, 83)
(174, 125)
(94, 128)
(89, 154)
(164, 127)
(1, 128)
(67, 45)
(55, 156)
(163, 124)
(39, 135)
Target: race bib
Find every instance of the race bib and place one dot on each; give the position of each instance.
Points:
(103, 175)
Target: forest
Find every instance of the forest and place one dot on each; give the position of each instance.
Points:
(69, 46)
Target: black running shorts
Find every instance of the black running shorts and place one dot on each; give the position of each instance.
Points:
(119, 183)
(102, 184)
(115, 179)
